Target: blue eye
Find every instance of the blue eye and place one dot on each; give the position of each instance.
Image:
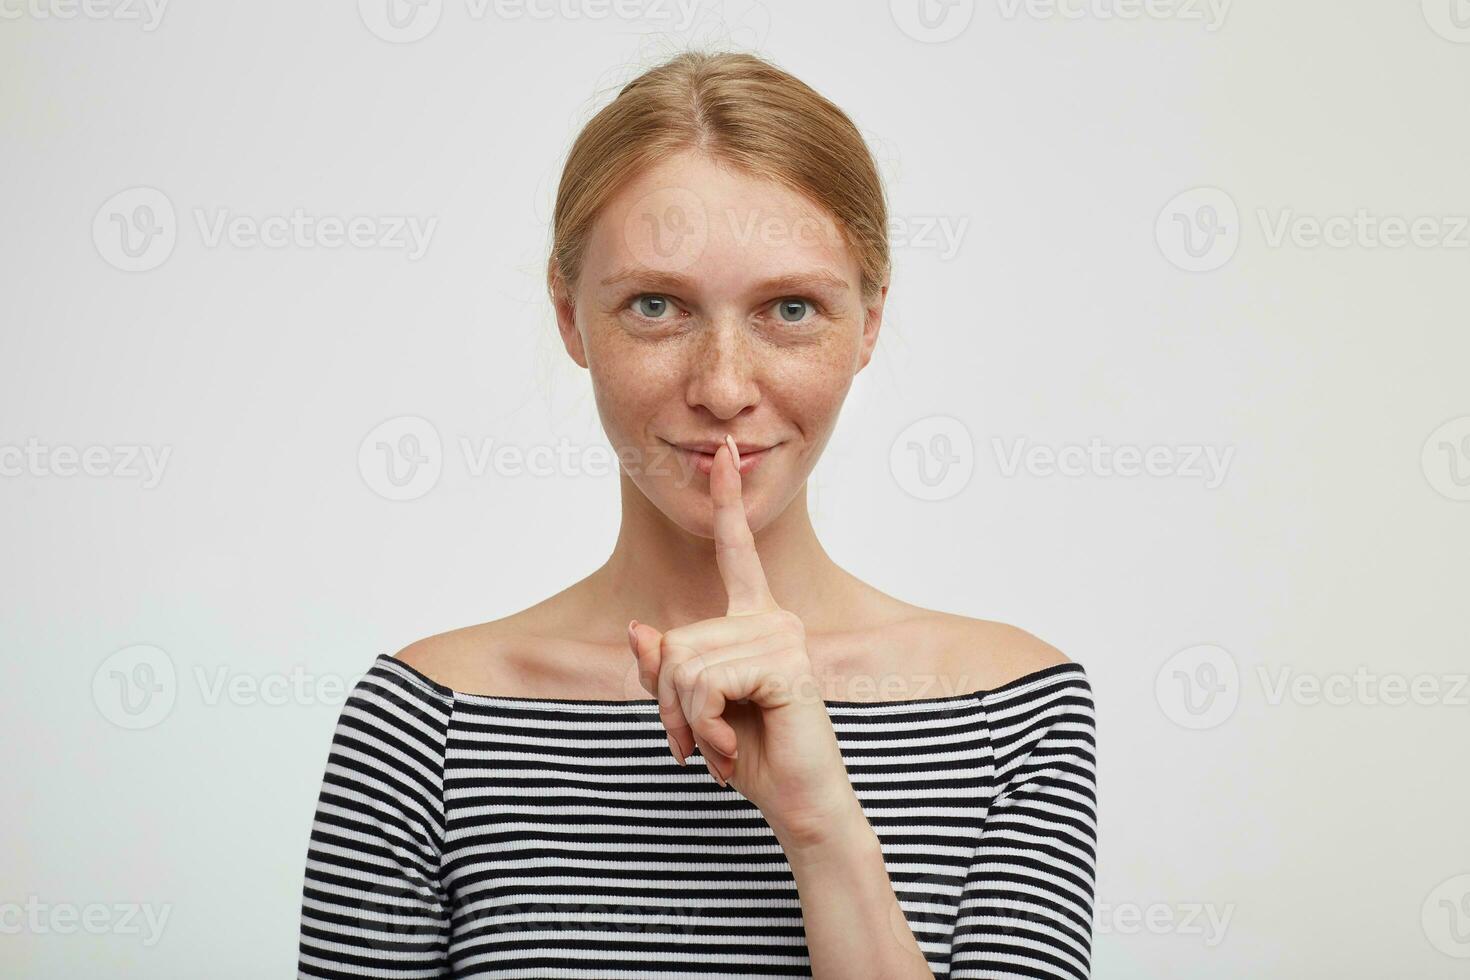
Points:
(651, 305)
(793, 310)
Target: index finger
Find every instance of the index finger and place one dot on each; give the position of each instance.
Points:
(740, 564)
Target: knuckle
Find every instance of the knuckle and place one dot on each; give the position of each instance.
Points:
(672, 655)
(747, 672)
(789, 622)
(686, 673)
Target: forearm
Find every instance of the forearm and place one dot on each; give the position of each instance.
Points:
(855, 929)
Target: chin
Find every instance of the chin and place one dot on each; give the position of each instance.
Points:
(689, 507)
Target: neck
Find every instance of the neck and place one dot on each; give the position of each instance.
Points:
(666, 576)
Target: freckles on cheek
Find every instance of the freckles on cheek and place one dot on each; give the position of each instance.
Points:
(813, 389)
(632, 380)
(823, 367)
(611, 351)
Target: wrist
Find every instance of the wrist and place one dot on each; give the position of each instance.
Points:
(836, 835)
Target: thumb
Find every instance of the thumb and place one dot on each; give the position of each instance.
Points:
(647, 645)
(645, 642)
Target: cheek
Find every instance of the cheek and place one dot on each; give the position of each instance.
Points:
(812, 383)
(629, 379)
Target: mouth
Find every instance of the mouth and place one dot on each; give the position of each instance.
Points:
(701, 455)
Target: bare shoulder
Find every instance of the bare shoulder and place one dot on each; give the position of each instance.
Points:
(470, 658)
(531, 653)
(981, 654)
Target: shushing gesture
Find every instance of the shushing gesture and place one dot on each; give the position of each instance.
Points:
(741, 688)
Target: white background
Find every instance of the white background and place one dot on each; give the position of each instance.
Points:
(1327, 833)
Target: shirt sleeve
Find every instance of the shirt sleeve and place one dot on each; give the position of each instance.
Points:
(1027, 902)
(373, 904)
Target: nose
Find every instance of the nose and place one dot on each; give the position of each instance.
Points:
(723, 374)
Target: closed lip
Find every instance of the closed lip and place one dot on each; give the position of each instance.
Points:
(711, 447)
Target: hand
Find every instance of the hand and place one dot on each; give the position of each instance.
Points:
(741, 688)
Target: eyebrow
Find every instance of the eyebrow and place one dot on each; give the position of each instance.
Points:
(818, 279)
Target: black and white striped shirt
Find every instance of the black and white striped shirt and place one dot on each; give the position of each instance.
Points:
(474, 835)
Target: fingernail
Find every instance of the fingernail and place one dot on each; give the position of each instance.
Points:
(674, 750)
(714, 772)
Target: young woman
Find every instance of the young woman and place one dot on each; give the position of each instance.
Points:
(754, 776)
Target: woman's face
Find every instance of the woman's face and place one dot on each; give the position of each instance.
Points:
(710, 303)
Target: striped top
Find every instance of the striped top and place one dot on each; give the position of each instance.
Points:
(470, 835)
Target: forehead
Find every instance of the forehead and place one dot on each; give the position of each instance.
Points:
(694, 217)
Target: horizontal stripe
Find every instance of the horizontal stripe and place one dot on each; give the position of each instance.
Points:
(471, 835)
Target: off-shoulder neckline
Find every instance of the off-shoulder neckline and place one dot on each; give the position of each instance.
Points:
(646, 704)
